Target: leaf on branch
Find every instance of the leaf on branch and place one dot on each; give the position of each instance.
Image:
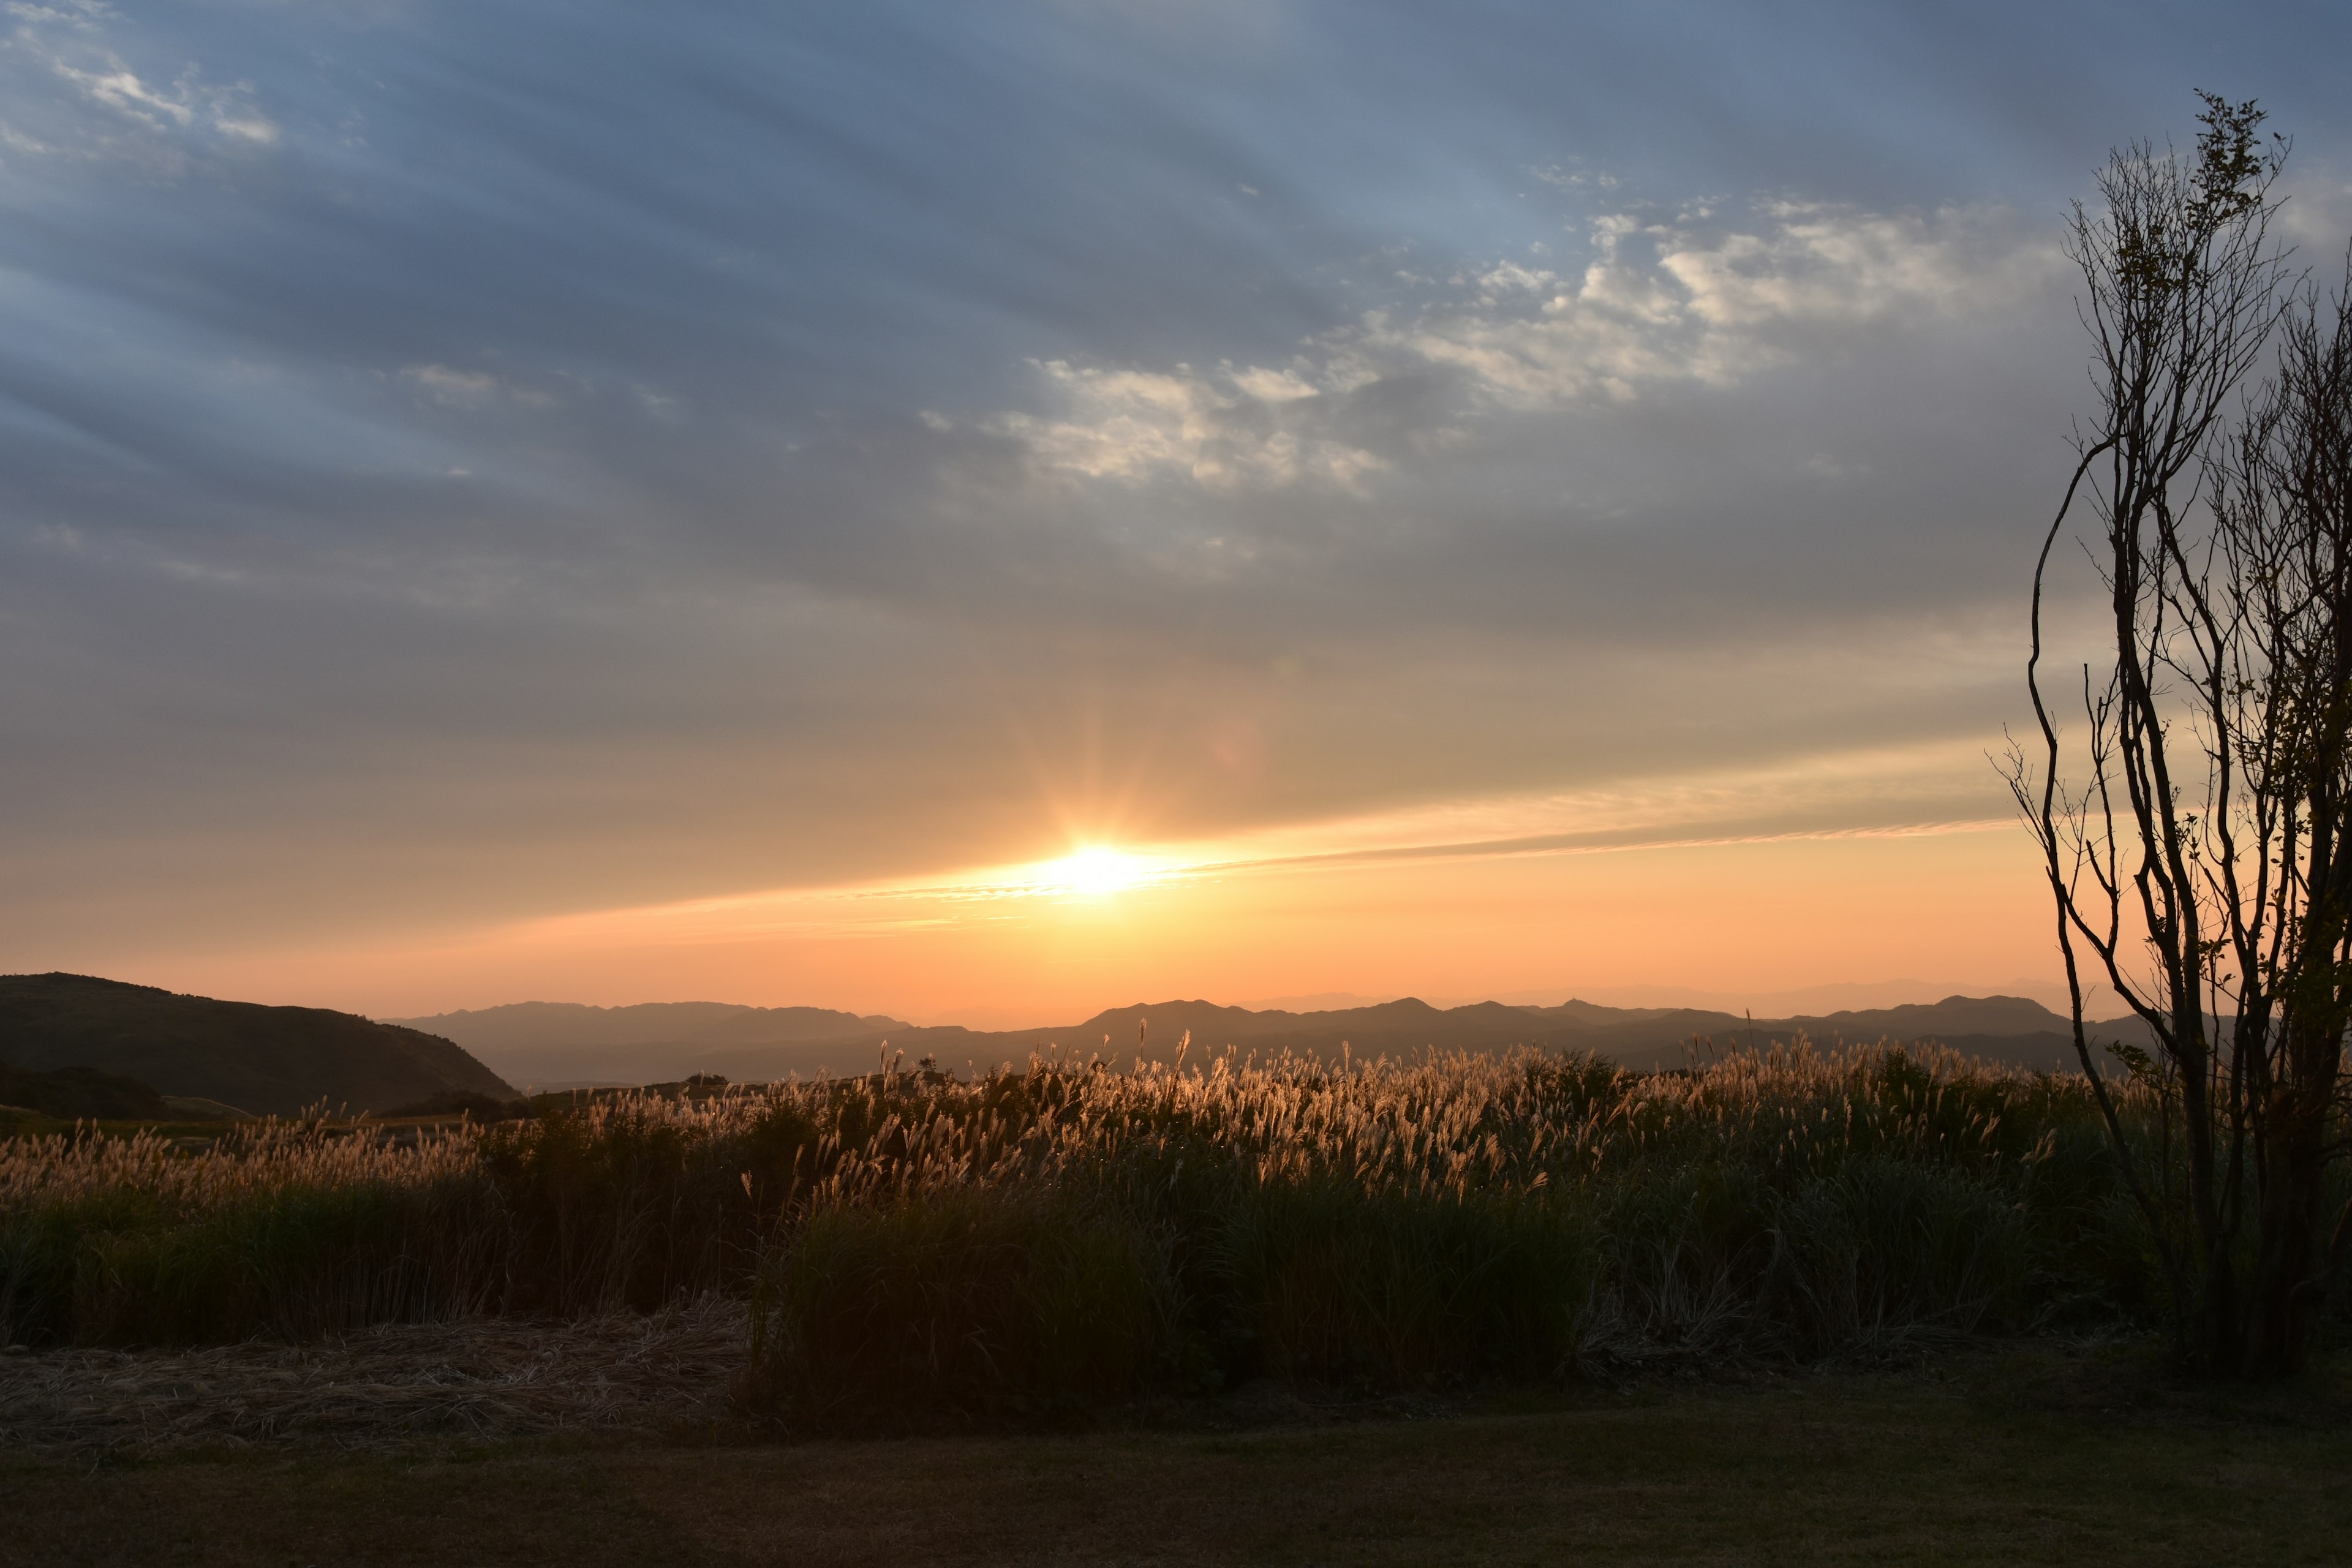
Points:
(2136, 1061)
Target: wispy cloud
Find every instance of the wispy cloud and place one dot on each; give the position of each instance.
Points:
(1224, 428)
(1694, 300)
(1689, 299)
(1936, 787)
(99, 104)
(470, 389)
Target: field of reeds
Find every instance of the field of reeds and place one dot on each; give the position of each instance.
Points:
(1044, 1240)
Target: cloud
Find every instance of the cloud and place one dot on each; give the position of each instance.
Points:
(120, 89)
(1693, 300)
(1688, 301)
(1928, 786)
(1822, 264)
(1224, 429)
(16, 141)
(109, 109)
(469, 389)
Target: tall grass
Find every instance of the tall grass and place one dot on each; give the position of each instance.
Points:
(300, 1228)
(1043, 1239)
(1399, 1224)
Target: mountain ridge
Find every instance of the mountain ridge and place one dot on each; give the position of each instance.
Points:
(530, 1042)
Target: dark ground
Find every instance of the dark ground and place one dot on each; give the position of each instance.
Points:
(2040, 1456)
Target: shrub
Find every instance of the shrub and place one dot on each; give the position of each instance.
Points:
(1401, 1289)
(977, 1302)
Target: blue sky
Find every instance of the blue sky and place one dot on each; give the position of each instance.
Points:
(527, 459)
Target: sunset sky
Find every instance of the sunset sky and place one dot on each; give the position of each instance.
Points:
(621, 503)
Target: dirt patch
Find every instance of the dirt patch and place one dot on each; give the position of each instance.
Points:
(387, 1387)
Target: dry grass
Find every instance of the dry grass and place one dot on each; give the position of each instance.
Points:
(384, 1387)
(1515, 1120)
(1070, 1235)
(187, 1176)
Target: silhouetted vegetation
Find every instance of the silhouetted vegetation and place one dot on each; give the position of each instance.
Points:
(2196, 824)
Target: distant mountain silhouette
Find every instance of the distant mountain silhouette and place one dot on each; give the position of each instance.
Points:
(559, 1044)
(554, 1044)
(1405, 1026)
(267, 1060)
(2011, 1029)
(1999, 1028)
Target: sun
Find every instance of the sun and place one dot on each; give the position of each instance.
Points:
(1097, 868)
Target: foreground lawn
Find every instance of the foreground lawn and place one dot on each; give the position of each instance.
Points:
(2006, 1461)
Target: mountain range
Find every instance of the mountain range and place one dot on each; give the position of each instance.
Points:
(282, 1059)
(551, 1045)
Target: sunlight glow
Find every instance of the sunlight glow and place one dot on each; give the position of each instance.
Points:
(1097, 868)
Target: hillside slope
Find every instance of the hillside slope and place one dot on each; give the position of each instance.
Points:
(74, 1093)
(267, 1060)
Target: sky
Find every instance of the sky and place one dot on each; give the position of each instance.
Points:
(619, 503)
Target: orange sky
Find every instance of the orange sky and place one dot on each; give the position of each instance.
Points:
(1741, 917)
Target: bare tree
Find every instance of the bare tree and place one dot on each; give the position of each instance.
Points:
(2281, 495)
(2194, 826)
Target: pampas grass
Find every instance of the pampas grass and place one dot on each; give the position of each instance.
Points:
(1046, 1238)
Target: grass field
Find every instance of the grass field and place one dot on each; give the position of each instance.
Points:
(1072, 1236)
(2027, 1455)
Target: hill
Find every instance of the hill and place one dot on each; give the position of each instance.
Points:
(556, 1045)
(267, 1060)
(74, 1093)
